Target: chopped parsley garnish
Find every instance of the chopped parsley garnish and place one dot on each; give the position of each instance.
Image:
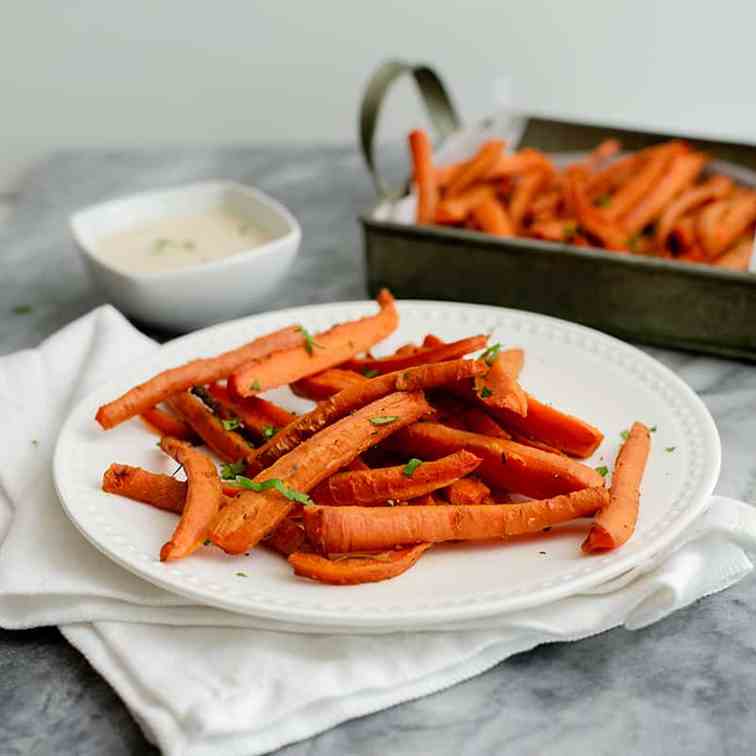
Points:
(652, 429)
(310, 343)
(490, 355)
(206, 542)
(670, 448)
(22, 309)
(384, 419)
(542, 552)
(255, 385)
(276, 484)
(231, 424)
(411, 466)
(602, 470)
(604, 200)
(369, 373)
(35, 442)
(269, 431)
(241, 574)
(624, 435)
(230, 470)
(486, 392)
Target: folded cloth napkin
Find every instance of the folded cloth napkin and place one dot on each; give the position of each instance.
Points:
(205, 681)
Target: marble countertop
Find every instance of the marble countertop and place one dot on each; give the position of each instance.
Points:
(682, 686)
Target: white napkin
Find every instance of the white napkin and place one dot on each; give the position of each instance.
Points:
(204, 681)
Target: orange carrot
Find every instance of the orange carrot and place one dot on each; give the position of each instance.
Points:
(738, 216)
(717, 187)
(397, 483)
(499, 386)
(351, 399)
(197, 372)
(425, 177)
(737, 258)
(615, 522)
(492, 218)
(707, 222)
(477, 421)
(345, 529)
(161, 491)
(553, 427)
(456, 209)
(423, 356)
(525, 190)
(258, 415)
(476, 168)
(203, 499)
(355, 569)
(506, 464)
(227, 444)
(167, 425)
(467, 492)
(322, 385)
(328, 349)
(680, 173)
(527, 441)
(247, 520)
(288, 538)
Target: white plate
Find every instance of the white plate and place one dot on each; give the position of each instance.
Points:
(579, 370)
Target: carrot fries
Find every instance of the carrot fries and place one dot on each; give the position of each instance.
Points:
(427, 191)
(167, 425)
(348, 529)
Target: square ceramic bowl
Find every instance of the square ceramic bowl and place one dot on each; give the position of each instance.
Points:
(205, 293)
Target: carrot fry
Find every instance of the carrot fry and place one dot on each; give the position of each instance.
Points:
(707, 223)
(738, 258)
(423, 356)
(325, 350)
(476, 168)
(492, 218)
(355, 569)
(421, 150)
(615, 522)
(258, 415)
(739, 215)
(167, 425)
(477, 421)
(525, 190)
(499, 386)
(322, 385)
(161, 491)
(680, 173)
(547, 424)
(253, 515)
(203, 499)
(456, 209)
(345, 529)
(197, 372)
(227, 444)
(378, 486)
(467, 492)
(506, 464)
(717, 187)
(351, 399)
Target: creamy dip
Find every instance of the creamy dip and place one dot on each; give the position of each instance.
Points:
(180, 241)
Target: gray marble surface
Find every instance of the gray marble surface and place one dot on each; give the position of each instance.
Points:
(683, 686)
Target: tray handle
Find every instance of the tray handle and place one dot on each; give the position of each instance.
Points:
(434, 96)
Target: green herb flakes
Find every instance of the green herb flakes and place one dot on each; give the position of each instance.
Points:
(490, 355)
(230, 470)
(22, 309)
(602, 470)
(624, 435)
(276, 484)
(384, 419)
(670, 449)
(486, 392)
(368, 373)
(411, 466)
(241, 574)
(232, 423)
(269, 431)
(310, 343)
(255, 385)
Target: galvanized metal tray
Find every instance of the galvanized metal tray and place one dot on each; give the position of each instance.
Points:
(650, 300)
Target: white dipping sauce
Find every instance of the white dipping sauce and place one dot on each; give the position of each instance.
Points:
(180, 241)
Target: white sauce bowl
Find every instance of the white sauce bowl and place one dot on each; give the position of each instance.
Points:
(205, 293)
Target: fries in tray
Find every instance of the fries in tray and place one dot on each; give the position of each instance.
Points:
(401, 452)
(660, 201)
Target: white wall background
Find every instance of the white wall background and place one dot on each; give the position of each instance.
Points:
(101, 72)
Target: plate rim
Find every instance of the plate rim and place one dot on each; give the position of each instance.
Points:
(485, 606)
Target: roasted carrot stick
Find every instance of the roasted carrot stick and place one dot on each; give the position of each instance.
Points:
(345, 529)
(477, 421)
(492, 218)
(506, 464)
(615, 522)
(167, 425)
(547, 424)
(451, 351)
(288, 538)
(707, 222)
(456, 209)
(203, 499)
(739, 215)
(737, 258)
(421, 150)
(247, 520)
(258, 415)
(476, 168)
(717, 187)
(227, 444)
(681, 172)
(525, 190)
(467, 492)
(322, 385)
(341, 404)
(499, 387)
(355, 569)
(197, 372)
(161, 491)
(326, 350)
(397, 483)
